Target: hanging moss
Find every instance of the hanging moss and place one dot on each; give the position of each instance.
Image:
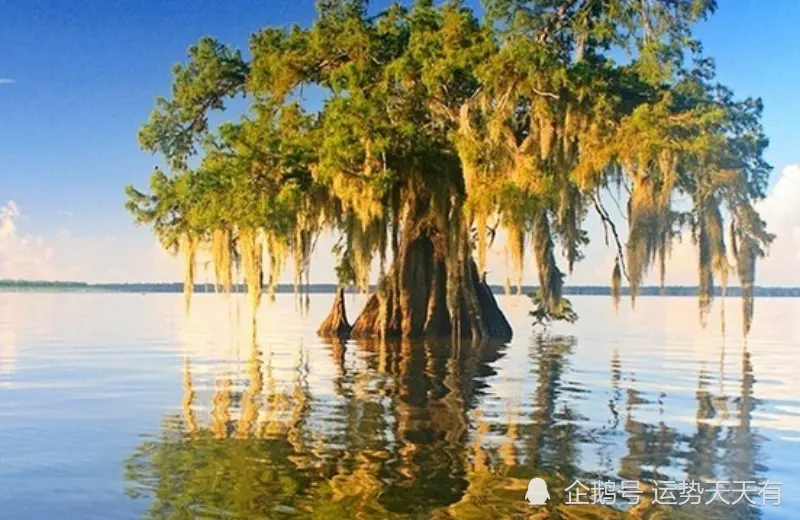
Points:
(568, 134)
(705, 271)
(616, 284)
(570, 215)
(431, 128)
(516, 247)
(362, 256)
(712, 252)
(663, 251)
(746, 251)
(189, 246)
(482, 245)
(302, 245)
(547, 136)
(277, 257)
(252, 263)
(298, 257)
(551, 279)
(222, 257)
(649, 234)
(716, 236)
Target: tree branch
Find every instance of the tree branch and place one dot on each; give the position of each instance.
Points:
(616, 203)
(562, 15)
(545, 94)
(609, 223)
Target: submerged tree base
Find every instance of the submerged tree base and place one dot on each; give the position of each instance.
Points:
(336, 324)
(412, 300)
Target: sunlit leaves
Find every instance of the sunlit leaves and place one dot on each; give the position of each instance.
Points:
(431, 116)
(214, 72)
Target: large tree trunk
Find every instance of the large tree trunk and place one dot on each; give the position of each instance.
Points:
(412, 298)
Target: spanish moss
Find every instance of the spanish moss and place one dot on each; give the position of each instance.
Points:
(430, 129)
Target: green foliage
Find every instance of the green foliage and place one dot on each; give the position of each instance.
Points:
(432, 114)
(214, 73)
(545, 313)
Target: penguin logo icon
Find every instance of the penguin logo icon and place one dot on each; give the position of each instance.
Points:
(537, 494)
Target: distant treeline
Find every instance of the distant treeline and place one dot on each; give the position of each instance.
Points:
(323, 288)
(35, 284)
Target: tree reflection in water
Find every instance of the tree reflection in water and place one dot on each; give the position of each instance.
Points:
(405, 436)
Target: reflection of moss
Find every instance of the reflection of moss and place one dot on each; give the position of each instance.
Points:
(489, 496)
(402, 440)
(208, 476)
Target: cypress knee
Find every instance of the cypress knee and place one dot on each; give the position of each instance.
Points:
(336, 324)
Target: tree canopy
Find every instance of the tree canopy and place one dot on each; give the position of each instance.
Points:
(526, 118)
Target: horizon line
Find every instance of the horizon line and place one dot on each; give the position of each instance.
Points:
(732, 290)
(336, 284)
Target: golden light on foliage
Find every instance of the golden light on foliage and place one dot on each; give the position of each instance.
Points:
(481, 229)
(222, 258)
(189, 247)
(252, 256)
(516, 248)
(302, 247)
(278, 252)
(438, 122)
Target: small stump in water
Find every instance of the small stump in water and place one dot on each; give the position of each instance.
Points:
(336, 324)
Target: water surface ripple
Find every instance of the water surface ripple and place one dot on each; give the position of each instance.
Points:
(121, 406)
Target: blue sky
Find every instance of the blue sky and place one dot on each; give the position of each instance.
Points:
(78, 78)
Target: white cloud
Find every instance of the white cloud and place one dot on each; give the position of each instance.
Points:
(64, 255)
(8, 215)
(21, 256)
(6, 81)
(781, 211)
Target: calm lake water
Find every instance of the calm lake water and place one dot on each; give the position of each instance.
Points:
(121, 406)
